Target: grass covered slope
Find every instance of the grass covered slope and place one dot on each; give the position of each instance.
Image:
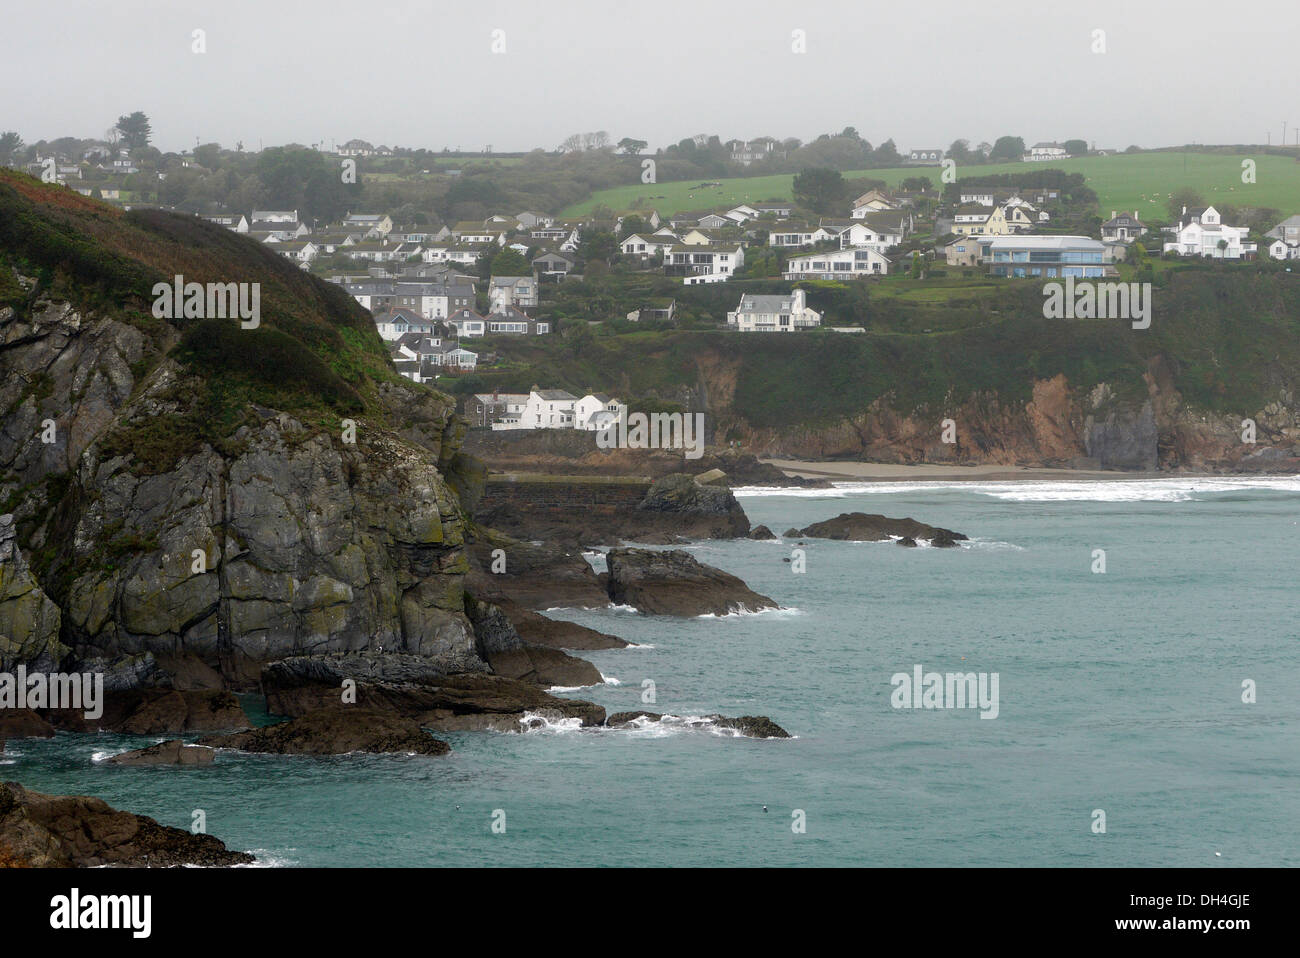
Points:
(314, 354)
(1136, 181)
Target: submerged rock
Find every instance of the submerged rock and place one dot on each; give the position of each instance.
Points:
(174, 752)
(336, 731)
(868, 527)
(749, 726)
(76, 831)
(674, 583)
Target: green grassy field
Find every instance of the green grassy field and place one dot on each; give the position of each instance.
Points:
(1139, 182)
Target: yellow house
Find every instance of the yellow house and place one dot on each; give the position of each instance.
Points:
(992, 224)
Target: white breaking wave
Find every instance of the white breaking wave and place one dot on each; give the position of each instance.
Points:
(610, 680)
(541, 723)
(1173, 489)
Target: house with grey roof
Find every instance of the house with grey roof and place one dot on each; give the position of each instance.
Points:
(781, 313)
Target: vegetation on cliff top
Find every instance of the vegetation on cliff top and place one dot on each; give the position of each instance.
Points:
(315, 353)
(1229, 333)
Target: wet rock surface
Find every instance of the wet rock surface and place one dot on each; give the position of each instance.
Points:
(336, 731)
(869, 527)
(174, 752)
(673, 582)
(75, 831)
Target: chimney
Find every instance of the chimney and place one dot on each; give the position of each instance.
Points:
(1112, 214)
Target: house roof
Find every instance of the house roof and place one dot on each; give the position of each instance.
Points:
(759, 303)
(554, 395)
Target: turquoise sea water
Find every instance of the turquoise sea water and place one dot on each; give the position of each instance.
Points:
(1119, 691)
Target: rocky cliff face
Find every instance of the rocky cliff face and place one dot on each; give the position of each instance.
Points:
(190, 500)
(285, 540)
(1059, 426)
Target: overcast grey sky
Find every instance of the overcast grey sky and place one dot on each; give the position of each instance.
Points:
(422, 72)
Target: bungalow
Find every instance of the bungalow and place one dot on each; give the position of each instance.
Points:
(1048, 256)
(282, 230)
(853, 262)
(742, 214)
(1201, 232)
(703, 264)
(778, 210)
(783, 313)
(273, 216)
(511, 322)
(460, 358)
(238, 224)
(506, 291)
(714, 221)
(393, 324)
(984, 197)
(1122, 228)
(304, 251)
(531, 218)
(556, 231)
(1281, 249)
(664, 313)
(553, 264)
(799, 234)
(469, 232)
(932, 157)
(380, 222)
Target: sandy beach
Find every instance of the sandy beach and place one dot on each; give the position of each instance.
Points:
(844, 471)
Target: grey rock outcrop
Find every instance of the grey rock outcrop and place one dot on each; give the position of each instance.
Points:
(673, 582)
(29, 619)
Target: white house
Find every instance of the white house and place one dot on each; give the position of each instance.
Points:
(393, 324)
(864, 235)
(548, 409)
(1041, 152)
(274, 216)
(1201, 232)
(703, 264)
(1285, 239)
(791, 235)
(638, 245)
(595, 411)
(853, 262)
(782, 313)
